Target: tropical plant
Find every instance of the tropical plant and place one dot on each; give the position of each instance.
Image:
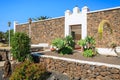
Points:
(82, 43)
(20, 46)
(87, 46)
(88, 53)
(90, 42)
(64, 46)
(69, 41)
(40, 18)
(58, 43)
(101, 25)
(66, 50)
(28, 71)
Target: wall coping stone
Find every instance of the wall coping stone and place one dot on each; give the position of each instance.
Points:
(41, 20)
(77, 61)
(104, 9)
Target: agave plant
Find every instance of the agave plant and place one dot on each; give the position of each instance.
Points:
(64, 46)
(90, 42)
(82, 43)
(69, 41)
(58, 43)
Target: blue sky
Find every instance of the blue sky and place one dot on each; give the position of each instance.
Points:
(21, 10)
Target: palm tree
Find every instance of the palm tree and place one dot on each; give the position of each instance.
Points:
(40, 18)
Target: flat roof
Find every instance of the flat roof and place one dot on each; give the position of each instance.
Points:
(105, 9)
(41, 20)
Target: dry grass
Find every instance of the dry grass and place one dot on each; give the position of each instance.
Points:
(4, 46)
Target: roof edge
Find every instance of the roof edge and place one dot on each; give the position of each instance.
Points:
(104, 9)
(41, 20)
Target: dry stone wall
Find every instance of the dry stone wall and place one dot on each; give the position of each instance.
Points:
(93, 21)
(80, 71)
(44, 31)
(3, 53)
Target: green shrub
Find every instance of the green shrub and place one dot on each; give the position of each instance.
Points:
(58, 43)
(28, 71)
(20, 46)
(64, 46)
(88, 46)
(90, 42)
(66, 50)
(69, 41)
(82, 43)
(88, 53)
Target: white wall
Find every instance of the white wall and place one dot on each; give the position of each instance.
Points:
(106, 51)
(15, 23)
(76, 18)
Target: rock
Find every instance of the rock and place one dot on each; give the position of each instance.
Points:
(99, 78)
(114, 71)
(104, 73)
(115, 76)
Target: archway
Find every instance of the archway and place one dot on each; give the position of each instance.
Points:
(104, 39)
(104, 23)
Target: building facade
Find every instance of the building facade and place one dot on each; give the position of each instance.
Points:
(78, 24)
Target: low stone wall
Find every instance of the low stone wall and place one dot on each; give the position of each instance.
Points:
(3, 53)
(81, 71)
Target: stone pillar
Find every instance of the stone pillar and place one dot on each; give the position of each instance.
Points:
(67, 14)
(84, 23)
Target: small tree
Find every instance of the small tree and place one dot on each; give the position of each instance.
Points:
(20, 46)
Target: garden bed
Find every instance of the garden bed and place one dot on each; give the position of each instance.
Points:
(78, 55)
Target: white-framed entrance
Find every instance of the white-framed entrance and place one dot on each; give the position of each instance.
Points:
(75, 31)
(76, 18)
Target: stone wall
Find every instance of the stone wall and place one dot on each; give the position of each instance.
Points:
(44, 31)
(93, 21)
(3, 53)
(81, 71)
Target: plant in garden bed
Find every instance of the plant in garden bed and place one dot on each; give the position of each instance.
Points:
(88, 53)
(82, 43)
(88, 46)
(64, 46)
(28, 70)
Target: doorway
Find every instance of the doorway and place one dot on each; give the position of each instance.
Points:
(75, 31)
